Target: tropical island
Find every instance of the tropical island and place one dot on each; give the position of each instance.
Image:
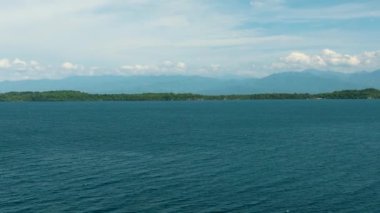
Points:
(68, 95)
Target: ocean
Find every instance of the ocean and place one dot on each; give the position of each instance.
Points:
(190, 156)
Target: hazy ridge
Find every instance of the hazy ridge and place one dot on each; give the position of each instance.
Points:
(311, 81)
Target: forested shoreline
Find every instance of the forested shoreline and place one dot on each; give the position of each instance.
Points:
(68, 95)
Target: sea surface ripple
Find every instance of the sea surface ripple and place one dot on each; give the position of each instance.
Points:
(199, 156)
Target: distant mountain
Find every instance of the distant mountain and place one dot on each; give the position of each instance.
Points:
(122, 84)
(307, 81)
(310, 81)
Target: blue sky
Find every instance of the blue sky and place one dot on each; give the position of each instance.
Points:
(246, 38)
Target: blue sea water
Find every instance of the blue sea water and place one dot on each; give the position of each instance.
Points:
(226, 156)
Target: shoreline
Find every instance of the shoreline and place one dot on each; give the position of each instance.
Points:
(77, 96)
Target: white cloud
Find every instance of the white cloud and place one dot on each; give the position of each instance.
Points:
(35, 65)
(297, 57)
(371, 58)
(5, 63)
(142, 31)
(168, 63)
(181, 66)
(138, 69)
(145, 32)
(333, 58)
(69, 66)
(330, 60)
(167, 67)
(19, 62)
(215, 67)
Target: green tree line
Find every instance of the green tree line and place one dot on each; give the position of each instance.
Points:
(68, 95)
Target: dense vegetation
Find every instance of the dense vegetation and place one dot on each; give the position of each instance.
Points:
(81, 96)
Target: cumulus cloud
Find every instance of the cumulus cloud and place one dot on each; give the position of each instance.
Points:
(138, 69)
(168, 63)
(369, 58)
(326, 59)
(329, 59)
(69, 66)
(181, 66)
(166, 67)
(215, 67)
(172, 66)
(234, 34)
(35, 65)
(19, 69)
(4, 63)
(297, 57)
(337, 59)
(19, 64)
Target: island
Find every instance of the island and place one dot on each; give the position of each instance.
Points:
(68, 95)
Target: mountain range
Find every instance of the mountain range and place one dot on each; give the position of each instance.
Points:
(309, 81)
